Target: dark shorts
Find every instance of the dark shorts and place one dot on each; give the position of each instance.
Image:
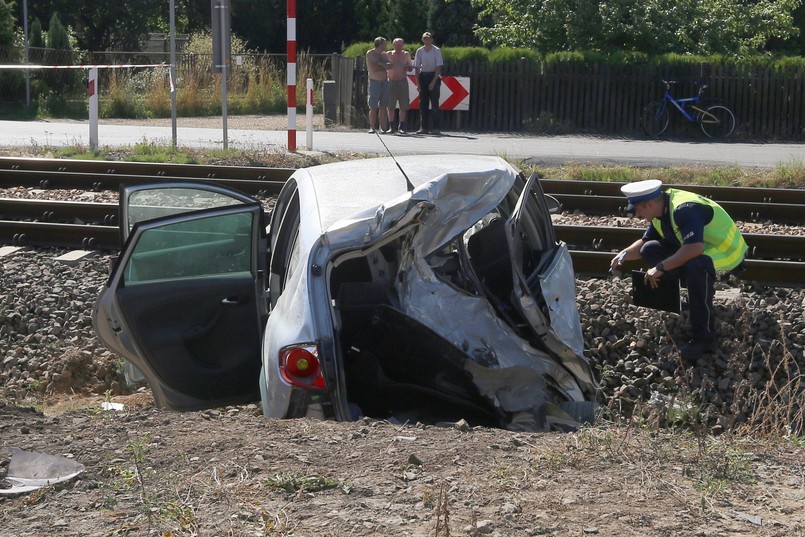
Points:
(398, 90)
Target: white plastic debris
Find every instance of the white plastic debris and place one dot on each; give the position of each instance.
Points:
(119, 407)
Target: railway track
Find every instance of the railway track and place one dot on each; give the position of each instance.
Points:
(87, 225)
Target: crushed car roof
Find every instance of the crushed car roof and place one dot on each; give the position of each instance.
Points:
(348, 188)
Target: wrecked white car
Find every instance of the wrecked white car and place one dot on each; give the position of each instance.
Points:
(429, 288)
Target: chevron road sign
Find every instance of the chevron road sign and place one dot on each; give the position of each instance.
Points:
(454, 95)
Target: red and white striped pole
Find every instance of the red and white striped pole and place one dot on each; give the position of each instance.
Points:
(93, 109)
(291, 6)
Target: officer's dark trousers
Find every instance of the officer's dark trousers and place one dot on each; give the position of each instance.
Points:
(698, 275)
(429, 101)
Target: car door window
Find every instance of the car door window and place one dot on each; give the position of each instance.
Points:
(139, 203)
(284, 238)
(199, 247)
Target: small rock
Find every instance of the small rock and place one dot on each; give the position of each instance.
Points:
(463, 426)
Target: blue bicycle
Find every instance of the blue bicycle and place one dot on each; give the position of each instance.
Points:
(715, 119)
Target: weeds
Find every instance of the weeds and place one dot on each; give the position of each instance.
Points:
(509, 478)
(775, 407)
(442, 527)
(138, 448)
(552, 460)
(718, 465)
(301, 482)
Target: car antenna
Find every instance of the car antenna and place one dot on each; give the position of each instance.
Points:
(408, 182)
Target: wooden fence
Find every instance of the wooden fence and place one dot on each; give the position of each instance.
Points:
(527, 96)
(524, 96)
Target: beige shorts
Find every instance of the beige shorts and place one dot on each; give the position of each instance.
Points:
(398, 91)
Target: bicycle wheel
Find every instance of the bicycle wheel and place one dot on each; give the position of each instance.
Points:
(655, 118)
(717, 121)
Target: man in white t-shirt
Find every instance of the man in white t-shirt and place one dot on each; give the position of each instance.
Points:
(428, 63)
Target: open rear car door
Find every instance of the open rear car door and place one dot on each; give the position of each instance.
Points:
(185, 301)
(545, 287)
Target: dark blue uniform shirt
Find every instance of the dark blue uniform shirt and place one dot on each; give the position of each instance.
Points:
(691, 218)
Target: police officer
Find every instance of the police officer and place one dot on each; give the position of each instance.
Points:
(690, 238)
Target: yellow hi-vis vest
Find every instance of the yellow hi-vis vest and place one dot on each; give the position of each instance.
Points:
(723, 243)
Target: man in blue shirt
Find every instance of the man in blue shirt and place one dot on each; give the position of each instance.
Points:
(690, 238)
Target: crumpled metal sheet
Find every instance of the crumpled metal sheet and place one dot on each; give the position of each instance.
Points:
(479, 331)
(30, 470)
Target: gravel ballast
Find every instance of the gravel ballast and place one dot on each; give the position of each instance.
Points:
(48, 346)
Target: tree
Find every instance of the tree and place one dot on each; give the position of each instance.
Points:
(452, 21)
(7, 22)
(102, 24)
(57, 34)
(406, 19)
(324, 25)
(650, 26)
(35, 37)
(12, 83)
(321, 25)
(795, 44)
(260, 23)
(36, 42)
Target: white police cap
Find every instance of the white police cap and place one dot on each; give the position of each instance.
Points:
(641, 191)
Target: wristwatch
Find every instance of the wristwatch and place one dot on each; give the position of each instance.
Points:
(660, 267)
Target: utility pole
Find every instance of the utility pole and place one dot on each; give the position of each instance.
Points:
(173, 71)
(221, 51)
(27, 60)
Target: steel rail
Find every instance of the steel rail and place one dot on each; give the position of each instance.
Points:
(59, 211)
(595, 238)
(784, 273)
(782, 213)
(258, 173)
(591, 197)
(608, 239)
(757, 204)
(98, 182)
(83, 236)
(589, 263)
(153, 169)
(717, 193)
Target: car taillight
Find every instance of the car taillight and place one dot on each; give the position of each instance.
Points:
(299, 366)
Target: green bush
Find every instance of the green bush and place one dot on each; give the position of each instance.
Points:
(357, 49)
(57, 104)
(465, 54)
(12, 84)
(510, 54)
(121, 96)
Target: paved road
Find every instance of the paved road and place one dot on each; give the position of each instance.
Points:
(536, 149)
